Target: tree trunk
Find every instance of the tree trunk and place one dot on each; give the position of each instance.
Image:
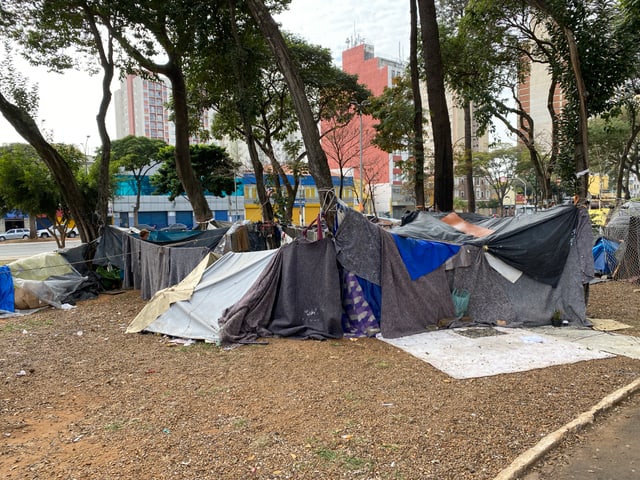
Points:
(265, 203)
(582, 138)
(62, 174)
(547, 170)
(192, 185)
(581, 158)
(468, 159)
(418, 139)
(624, 168)
(318, 165)
(266, 209)
(104, 177)
(441, 128)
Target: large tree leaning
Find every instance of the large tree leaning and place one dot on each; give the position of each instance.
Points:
(318, 165)
(62, 173)
(581, 155)
(418, 137)
(173, 69)
(440, 125)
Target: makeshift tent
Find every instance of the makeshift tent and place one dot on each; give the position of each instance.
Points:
(527, 268)
(191, 308)
(628, 254)
(510, 272)
(604, 256)
(47, 279)
(515, 271)
(623, 228)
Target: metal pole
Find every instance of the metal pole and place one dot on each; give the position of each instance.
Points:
(361, 180)
(359, 106)
(86, 163)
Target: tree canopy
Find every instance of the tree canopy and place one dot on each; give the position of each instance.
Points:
(26, 184)
(211, 164)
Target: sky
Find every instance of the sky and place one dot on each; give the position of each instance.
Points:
(69, 102)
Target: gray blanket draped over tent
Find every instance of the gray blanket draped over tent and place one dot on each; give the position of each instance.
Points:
(552, 249)
(149, 267)
(408, 306)
(537, 245)
(401, 282)
(297, 295)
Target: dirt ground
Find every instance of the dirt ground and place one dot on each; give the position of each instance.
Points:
(81, 399)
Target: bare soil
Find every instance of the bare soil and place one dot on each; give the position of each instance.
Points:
(80, 399)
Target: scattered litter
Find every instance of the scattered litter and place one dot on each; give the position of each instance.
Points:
(79, 333)
(67, 306)
(21, 373)
(532, 339)
(182, 341)
(607, 324)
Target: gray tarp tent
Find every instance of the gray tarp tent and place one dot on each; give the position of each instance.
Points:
(301, 294)
(191, 308)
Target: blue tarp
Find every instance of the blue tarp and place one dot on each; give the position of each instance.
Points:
(6, 289)
(604, 259)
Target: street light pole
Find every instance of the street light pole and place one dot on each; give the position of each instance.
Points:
(525, 190)
(86, 163)
(359, 106)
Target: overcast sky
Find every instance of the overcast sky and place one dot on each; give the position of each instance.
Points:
(69, 102)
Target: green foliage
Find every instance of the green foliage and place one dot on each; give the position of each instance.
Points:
(211, 164)
(26, 183)
(267, 101)
(607, 137)
(475, 73)
(497, 167)
(394, 111)
(135, 153)
(15, 86)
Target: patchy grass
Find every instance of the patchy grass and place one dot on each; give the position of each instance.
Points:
(19, 324)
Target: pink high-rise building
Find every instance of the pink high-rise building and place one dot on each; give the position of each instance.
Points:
(141, 110)
(379, 168)
(140, 106)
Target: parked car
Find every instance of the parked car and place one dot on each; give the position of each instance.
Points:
(43, 233)
(15, 233)
(46, 233)
(175, 227)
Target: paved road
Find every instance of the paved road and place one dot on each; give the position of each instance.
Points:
(607, 450)
(21, 249)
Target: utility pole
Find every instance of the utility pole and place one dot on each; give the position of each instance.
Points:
(359, 106)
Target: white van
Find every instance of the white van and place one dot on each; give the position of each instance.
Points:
(525, 209)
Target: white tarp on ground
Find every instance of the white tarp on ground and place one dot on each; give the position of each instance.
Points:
(485, 351)
(615, 343)
(209, 292)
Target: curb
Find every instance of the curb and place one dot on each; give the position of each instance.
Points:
(527, 459)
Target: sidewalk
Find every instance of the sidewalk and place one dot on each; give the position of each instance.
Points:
(609, 449)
